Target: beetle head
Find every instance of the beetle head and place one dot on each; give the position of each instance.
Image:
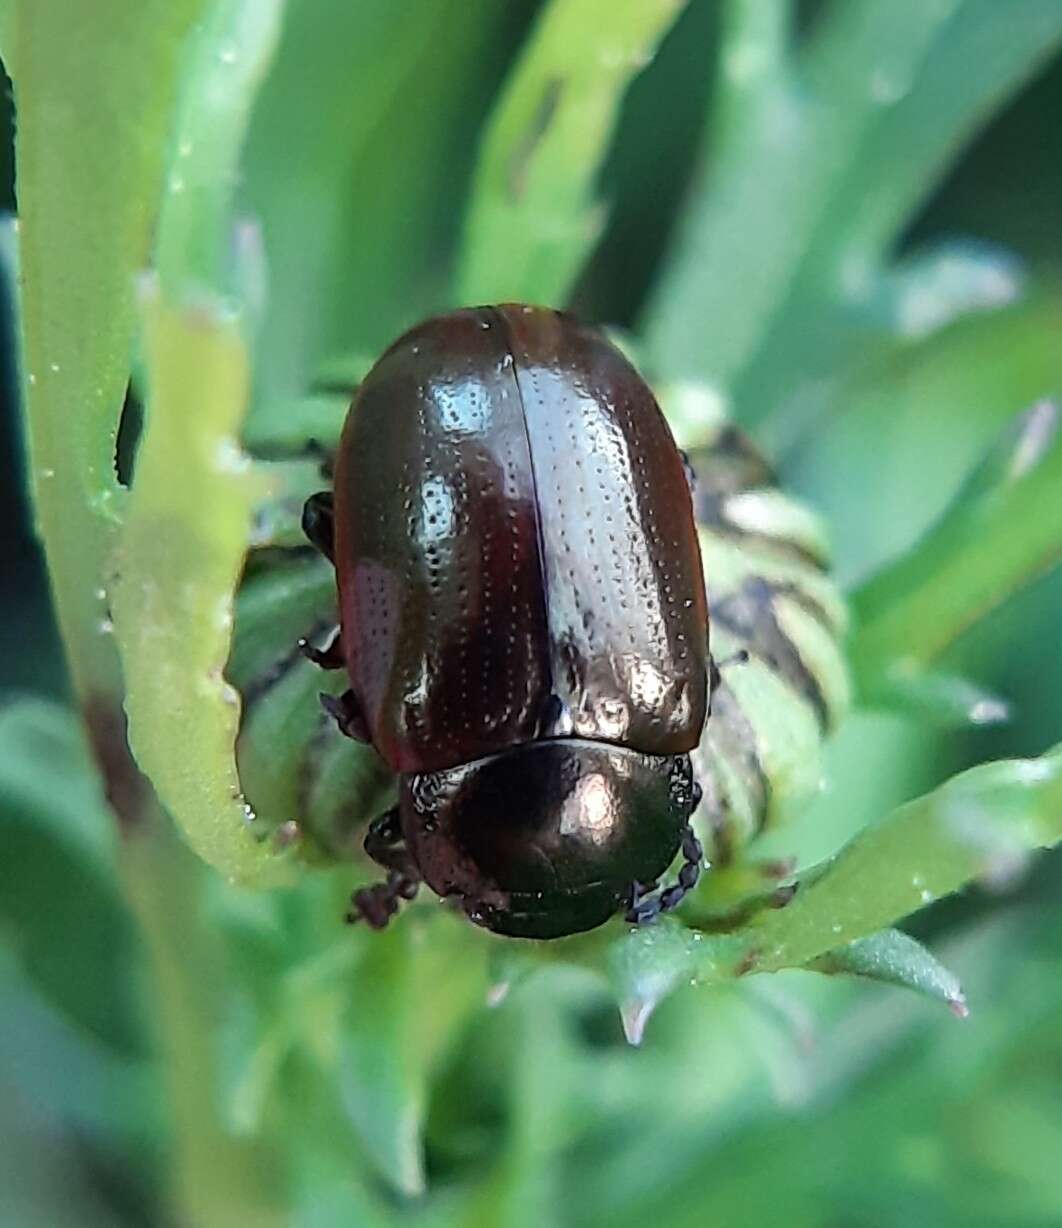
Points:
(547, 838)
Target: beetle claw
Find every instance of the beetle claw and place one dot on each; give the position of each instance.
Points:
(329, 657)
(346, 712)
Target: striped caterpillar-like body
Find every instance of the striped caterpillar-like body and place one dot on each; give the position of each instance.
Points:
(770, 596)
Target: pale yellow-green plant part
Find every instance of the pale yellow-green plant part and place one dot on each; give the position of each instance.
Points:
(181, 554)
(177, 569)
(534, 213)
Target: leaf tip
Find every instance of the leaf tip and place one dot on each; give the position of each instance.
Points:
(959, 1006)
(635, 1014)
(498, 992)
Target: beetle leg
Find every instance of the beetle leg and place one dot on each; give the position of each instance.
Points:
(329, 657)
(318, 523)
(647, 908)
(376, 905)
(383, 843)
(346, 712)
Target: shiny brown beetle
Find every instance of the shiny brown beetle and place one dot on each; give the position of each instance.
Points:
(523, 621)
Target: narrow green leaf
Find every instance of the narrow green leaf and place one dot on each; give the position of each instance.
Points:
(978, 825)
(58, 836)
(276, 606)
(931, 406)
(1003, 529)
(965, 830)
(739, 250)
(94, 87)
(252, 1051)
(232, 51)
(381, 1075)
(895, 958)
(927, 117)
(285, 426)
(8, 27)
(357, 165)
(927, 291)
(944, 700)
(541, 1067)
(180, 560)
(853, 134)
(534, 215)
(752, 68)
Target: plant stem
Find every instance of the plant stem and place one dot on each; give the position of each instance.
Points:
(218, 1179)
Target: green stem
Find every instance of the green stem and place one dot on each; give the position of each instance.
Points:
(218, 1180)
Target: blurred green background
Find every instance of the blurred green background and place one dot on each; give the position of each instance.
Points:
(839, 219)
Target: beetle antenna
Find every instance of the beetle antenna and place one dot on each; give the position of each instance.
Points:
(715, 668)
(646, 908)
(741, 657)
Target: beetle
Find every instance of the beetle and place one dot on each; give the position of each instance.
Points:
(522, 617)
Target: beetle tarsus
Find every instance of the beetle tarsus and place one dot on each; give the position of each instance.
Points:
(329, 657)
(318, 523)
(645, 908)
(376, 905)
(346, 712)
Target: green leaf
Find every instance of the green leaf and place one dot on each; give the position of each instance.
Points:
(275, 606)
(232, 50)
(8, 18)
(533, 1046)
(287, 425)
(928, 290)
(57, 875)
(969, 828)
(359, 181)
(534, 214)
(648, 966)
(851, 133)
(94, 86)
(943, 700)
(938, 1124)
(181, 557)
(930, 406)
(978, 825)
(381, 1075)
(412, 994)
(896, 959)
(1003, 529)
